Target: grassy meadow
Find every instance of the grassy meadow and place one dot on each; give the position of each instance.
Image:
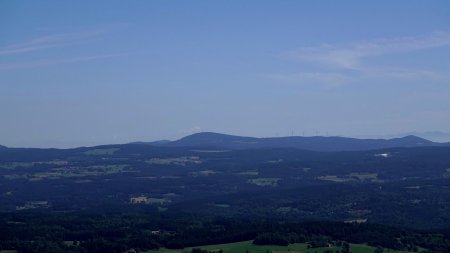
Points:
(247, 246)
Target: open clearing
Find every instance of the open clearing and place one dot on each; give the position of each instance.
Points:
(14, 165)
(364, 176)
(360, 176)
(71, 172)
(180, 161)
(204, 173)
(33, 205)
(242, 247)
(334, 178)
(148, 200)
(264, 181)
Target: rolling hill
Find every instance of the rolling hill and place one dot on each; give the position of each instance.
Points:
(314, 143)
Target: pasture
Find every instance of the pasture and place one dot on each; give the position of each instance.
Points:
(248, 246)
(264, 181)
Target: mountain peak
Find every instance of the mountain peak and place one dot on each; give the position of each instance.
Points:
(315, 143)
(209, 139)
(206, 134)
(413, 137)
(211, 135)
(414, 140)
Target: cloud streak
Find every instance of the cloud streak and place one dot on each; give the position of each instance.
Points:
(51, 41)
(47, 62)
(331, 79)
(48, 41)
(351, 56)
(336, 65)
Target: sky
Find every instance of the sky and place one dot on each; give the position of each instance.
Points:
(83, 73)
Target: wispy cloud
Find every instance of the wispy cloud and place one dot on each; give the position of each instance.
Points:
(403, 73)
(329, 78)
(47, 62)
(345, 63)
(48, 41)
(351, 56)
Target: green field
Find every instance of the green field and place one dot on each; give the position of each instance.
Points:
(15, 165)
(33, 205)
(364, 176)
(248, 173)
(180, 161)
(264, 181)
(204, 173)
(243, 247)
(71, 172)
(334, 178)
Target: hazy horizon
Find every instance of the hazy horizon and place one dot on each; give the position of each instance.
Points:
(436, 136)
(87, 73)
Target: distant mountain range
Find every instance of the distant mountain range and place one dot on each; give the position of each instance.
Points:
(312, 143)
(315, 143)
(436, 136)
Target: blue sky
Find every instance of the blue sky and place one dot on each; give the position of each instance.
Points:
(76, 73)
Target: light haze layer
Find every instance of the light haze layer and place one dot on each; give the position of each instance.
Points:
(97, 72)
